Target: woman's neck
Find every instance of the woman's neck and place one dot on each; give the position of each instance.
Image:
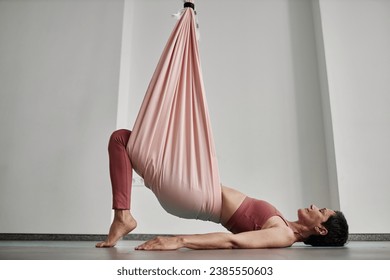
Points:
(300, 231)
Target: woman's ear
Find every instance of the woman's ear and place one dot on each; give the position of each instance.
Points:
(321, 230)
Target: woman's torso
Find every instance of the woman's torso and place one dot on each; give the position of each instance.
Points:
(241, 213)
(231, 201)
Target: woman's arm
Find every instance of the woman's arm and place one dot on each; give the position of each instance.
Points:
(193, 241)
(267, 238)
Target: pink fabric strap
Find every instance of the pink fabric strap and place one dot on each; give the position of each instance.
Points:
(171, 145)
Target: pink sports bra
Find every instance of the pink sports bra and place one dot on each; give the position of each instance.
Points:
(252, 215)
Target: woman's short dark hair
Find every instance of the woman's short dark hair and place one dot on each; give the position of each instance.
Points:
(337, 235)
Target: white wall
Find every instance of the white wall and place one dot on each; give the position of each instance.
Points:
(297, 94)
(357, 44)
(326, 109)
(59, 67)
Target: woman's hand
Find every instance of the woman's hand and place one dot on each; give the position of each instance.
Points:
(162, 243)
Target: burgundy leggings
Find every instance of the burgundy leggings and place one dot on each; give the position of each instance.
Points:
(121, 171)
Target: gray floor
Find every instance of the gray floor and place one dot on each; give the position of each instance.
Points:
(85, 250)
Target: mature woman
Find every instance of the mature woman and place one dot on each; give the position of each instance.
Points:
(252, 223)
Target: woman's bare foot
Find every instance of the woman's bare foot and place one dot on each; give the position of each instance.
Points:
(123, 224)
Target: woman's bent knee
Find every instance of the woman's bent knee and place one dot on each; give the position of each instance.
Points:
(120, 136)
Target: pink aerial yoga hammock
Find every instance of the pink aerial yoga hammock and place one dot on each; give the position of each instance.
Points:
(171, 145)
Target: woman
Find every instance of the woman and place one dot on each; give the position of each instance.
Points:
(253, 223)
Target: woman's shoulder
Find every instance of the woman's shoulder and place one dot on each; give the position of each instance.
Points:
(279, 223)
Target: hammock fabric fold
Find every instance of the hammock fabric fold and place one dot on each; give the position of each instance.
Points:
(171, 145)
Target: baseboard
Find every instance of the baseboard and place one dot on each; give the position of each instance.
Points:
(98, 237)
(369, 237)
(67, 237)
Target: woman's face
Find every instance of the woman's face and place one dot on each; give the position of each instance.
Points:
(313, 216)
